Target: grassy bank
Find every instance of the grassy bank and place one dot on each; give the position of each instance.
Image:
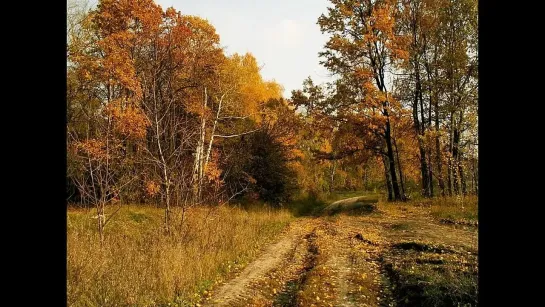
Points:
(306, 204)
(455, 209)
(461, 208)
(140, 266)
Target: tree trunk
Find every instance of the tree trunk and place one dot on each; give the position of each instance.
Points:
(100, 220)
(400, 170)
(212, 135)
(438, 161)
(475, 177)
(430, 174)
(429, 152)
(456, 158)
(163, 162)
(449, 176)
(462, 178)
(423, 161)
(419, 127)
(167, 209)
(387, 176)
(332, 176)
(199, 154)
(391, 161)
(424, 171)
(450, 162)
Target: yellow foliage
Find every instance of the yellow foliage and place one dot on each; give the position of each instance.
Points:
(152, 188)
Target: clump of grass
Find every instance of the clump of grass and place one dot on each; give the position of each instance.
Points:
(456, 209)
(462, 208)
(139, 265)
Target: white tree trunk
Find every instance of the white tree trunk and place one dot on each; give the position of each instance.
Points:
(199, 153)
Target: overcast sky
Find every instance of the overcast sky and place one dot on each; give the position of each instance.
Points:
(281, 34)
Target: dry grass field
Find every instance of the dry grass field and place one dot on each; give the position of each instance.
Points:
(139, 266)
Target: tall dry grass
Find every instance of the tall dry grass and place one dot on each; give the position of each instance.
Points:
(140, 266)
(457, 208)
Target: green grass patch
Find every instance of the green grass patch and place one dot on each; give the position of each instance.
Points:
(307, 206)
(138, 217)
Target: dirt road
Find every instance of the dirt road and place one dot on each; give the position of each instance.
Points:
(348, 260)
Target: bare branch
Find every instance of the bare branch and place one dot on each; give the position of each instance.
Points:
(235, 135)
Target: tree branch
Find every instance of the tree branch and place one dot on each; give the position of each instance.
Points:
(235, 135)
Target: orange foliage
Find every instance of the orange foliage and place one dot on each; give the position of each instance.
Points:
(93, 148)
(129, 121)
(152, 188)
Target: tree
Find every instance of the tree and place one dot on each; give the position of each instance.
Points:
(263, 162)
(134, 69)
(101, 61)
(236, 98)
(441, 77)
(363, 48)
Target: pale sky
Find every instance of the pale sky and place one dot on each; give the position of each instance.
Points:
(281, 34)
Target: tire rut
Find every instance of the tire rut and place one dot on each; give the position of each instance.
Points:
(284, 261)
(332, 261)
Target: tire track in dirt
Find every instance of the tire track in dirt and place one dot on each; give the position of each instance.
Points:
(347, 272)
(241, 288)
(343, 271)
(334, 261)
(317, 262)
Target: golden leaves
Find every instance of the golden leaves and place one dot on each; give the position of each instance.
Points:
(152, 188)
(212, 170)
(201, 28)
(363, 73)
(369, 87)
(400, 54)
(382, 19)
(241, 79)
(129, 121)
(345, 10)
(326, 146)
(93, 148)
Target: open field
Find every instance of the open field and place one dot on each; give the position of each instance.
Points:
(139, 265)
